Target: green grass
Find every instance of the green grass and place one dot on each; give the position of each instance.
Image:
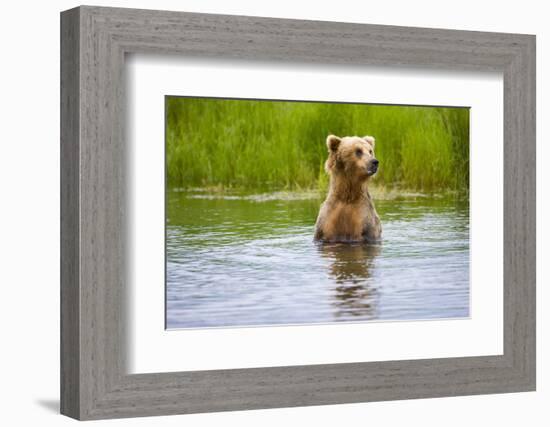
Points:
(281, 145)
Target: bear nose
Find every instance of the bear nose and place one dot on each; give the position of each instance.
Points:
(375, 162)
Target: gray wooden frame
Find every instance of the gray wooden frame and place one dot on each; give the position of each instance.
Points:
(94, 382)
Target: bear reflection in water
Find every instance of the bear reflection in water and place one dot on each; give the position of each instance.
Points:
(351, 267)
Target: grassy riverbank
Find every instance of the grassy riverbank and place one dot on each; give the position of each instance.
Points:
(281, 145)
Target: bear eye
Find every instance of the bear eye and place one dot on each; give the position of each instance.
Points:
(370, 152)
(358, 152)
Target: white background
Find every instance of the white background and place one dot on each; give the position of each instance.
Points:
(152, 349)
(29, 235)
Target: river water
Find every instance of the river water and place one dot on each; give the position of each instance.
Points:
(236, 259)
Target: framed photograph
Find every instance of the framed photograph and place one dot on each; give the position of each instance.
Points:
(261, 213)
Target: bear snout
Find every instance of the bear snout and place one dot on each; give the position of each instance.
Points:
(372, 167)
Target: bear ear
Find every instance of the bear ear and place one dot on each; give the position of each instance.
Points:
(369, 139)
(333, 142)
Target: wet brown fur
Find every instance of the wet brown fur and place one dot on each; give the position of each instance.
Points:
(348, 213)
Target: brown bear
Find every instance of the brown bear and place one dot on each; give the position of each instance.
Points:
(348, 213)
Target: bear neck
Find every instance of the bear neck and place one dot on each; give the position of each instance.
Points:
(346, 190)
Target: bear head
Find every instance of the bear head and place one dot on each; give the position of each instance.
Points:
(351, 156)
